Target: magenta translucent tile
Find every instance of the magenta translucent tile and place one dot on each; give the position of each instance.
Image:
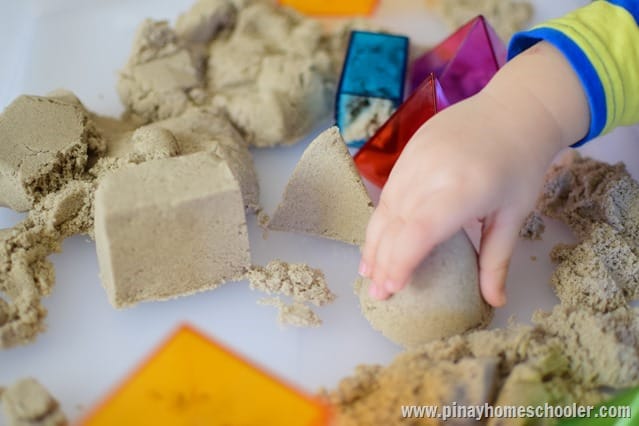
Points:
(464, 62)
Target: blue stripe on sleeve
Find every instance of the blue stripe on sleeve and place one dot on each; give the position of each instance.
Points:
(581, 64)
(632, 6)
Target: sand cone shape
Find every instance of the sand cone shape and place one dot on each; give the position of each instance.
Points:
(325, 196)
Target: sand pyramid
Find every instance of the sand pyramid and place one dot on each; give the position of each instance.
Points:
(325, 195)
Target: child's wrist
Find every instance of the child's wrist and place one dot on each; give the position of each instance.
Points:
(531, 131)
(543, 80)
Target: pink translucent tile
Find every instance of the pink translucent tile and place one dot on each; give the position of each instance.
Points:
(376, 158)
(464, 62)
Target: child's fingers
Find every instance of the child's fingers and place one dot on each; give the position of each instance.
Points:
(384, 252)
(376, 225)
(499, 236)
(406, 243)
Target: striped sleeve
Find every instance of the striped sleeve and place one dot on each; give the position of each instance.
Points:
(601, 42)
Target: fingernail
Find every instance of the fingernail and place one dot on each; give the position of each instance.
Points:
(364, 270)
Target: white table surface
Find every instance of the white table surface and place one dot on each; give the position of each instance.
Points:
(90, 347)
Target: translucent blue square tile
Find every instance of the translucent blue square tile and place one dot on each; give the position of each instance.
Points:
(372, 84)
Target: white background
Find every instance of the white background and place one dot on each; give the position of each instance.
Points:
(90, 347)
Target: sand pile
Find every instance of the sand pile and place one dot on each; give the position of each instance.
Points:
(304, 285)
(273, 70)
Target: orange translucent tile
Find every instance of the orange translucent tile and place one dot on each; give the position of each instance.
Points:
(332, 7)
(191, 380)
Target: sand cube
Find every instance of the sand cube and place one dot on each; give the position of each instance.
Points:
(43, 144)
(170, 227)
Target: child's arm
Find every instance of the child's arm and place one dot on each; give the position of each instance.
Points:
(485, 158)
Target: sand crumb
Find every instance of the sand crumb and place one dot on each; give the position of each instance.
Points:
(296, 314)
(262, 220)
(533, 227)
(299, 281)
(28, 403)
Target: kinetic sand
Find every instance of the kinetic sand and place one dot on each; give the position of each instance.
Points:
(296, 314)
(365, 116)
(170, 227)
(441, 300)
(209, 129)
(25, 273)
(325, 196)
(28, 403)
(303, 284)
(299, 281)
(43, 145)
(533, 228)
(163, 87)
(271, 69)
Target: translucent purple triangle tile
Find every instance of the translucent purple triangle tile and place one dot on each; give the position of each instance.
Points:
(463, 63)
(440, 95)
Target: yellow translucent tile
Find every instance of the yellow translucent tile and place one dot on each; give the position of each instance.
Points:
(332, 7)
(190, 380)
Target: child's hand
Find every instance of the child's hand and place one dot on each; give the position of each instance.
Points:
(463, 164)
(482, 158)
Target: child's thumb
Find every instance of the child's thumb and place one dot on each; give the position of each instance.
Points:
(499, 236)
